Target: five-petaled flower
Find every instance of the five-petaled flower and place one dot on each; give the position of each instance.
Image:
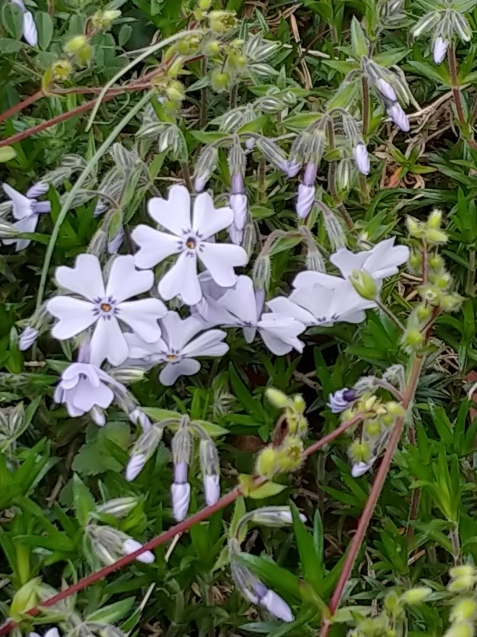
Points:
(183, 340)
(106, 306)
(191, 239)
(26, 210)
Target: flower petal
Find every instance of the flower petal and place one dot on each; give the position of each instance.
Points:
(27, 224)
(21, 204)
(308, 279)
(178, 332)
(125, 281)
(220, 260)
(279, 333)
(209, 220)
(142, 317)
(70, 377)
(240, 301)
(85, 279)
(347, 261)
(207, 344)
(172, 213)
(108, 343)
(182, 280)
(30, 32)
(85, 396)
(154, 246)
(282, 305)
(74, 316)
(172, 371)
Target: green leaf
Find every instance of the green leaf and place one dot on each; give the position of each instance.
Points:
(358, 39)
(10, 46)
(83, 501)
(12, 20)
(113, 612)
(311, 562)
(44, 24)
(266, 490)
(248, 402)
(274, 576)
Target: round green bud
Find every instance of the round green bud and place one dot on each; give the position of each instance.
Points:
(76, 44)
(416, 595)
(220, 80)
(266, 466)
(436, 262)
(372, 428)
(413, 337)
(364, 284)
(464, 570)
(423, 312)
(461, 584)
(465, 610)
(277, 398)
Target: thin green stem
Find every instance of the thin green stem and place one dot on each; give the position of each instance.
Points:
(79, 182)
(390, 314)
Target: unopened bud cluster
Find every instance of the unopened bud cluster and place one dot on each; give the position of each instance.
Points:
(287, 454)
(181, 448)
(436, 290)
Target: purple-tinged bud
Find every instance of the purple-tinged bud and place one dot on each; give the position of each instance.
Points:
(130, 545)
(97, 414)
(138, 417)
(235, 235)
(180, 494)
(361, 159)
(239, 205)
(211, 489)
(293, 168)
(199, 182)
(276, 606)
(439, 50)
(236, 184)
(305, 200)
(309, 176)
(116, 242)
(37, 190)
(27, 338)
(341, 400)
(101, 206)
(386, 89)
(180, 472)
(399, 117)
(135, 466)
(250, 143)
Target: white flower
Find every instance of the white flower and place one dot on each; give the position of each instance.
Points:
(84, 386)
(180, 345)
(26, 210)
(380, 262)
(190, 240)
(130, 545)
(180, 495)
(398, 116)
(439, 50)
(361, 158)
(105, 305)
(341, 400)
(30, 32)
(211, 489)
(27, 338)
(322, 299)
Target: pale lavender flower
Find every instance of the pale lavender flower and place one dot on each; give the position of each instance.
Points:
(241, 306)
(293, 168)
(382, 261)
(27, 338)
(138, 417)
(189, 238)
(199, 182)
(211, 489)
(439, 50)
(105, 306)
(341, 400)
(26, 210)
(183, 340)
(29, 30)
(398, 116)
(116, 242)
(83, 387)
(361, 158)
(130, 545)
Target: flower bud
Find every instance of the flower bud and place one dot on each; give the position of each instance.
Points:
(138, 417)
(341, 400)
(464, 570)
(462, 26)
(127, 375)
(292, 168)
(274, 516)
(386, 90)
(305, 200)
(464, 610)
(461, 629)
(130, 545)
(27, 338)
(135, 466)
(314, 260)
(180, 495)
(364, 284)
(462, 584)
(413, 338)
(439, 50)
(220, 81)
(119, 507)
(360, 468)
(211, 489)
(450, 302)
(435, 237)
(266, 466)
(76, 44)
(205, 167)
(290, 454)
(423, 312)
(361, 159)
(262, 271)
(277, 398)
(416, 595)
(414, 227)
(399, 117)
(426, 23)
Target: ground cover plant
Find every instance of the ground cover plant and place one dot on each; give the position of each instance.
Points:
(237, 328)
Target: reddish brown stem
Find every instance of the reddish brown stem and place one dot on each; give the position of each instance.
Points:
(376, 489)
(168, 535)
(21, 105)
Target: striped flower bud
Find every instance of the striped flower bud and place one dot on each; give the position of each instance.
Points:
(361, 158)
(209, 465)
(130, 546)
(143, 449)
(439, 49)
(398, 116)
(205, 167)
(341, 400)
(386, 90)
(274, 516)
(181, 451)
(27, 338)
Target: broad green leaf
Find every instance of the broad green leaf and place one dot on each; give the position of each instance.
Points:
(7, 153)
(358, 39)
(113, 612)
(44, 25)
(266, 490)
(275, 577)
(311, 562)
